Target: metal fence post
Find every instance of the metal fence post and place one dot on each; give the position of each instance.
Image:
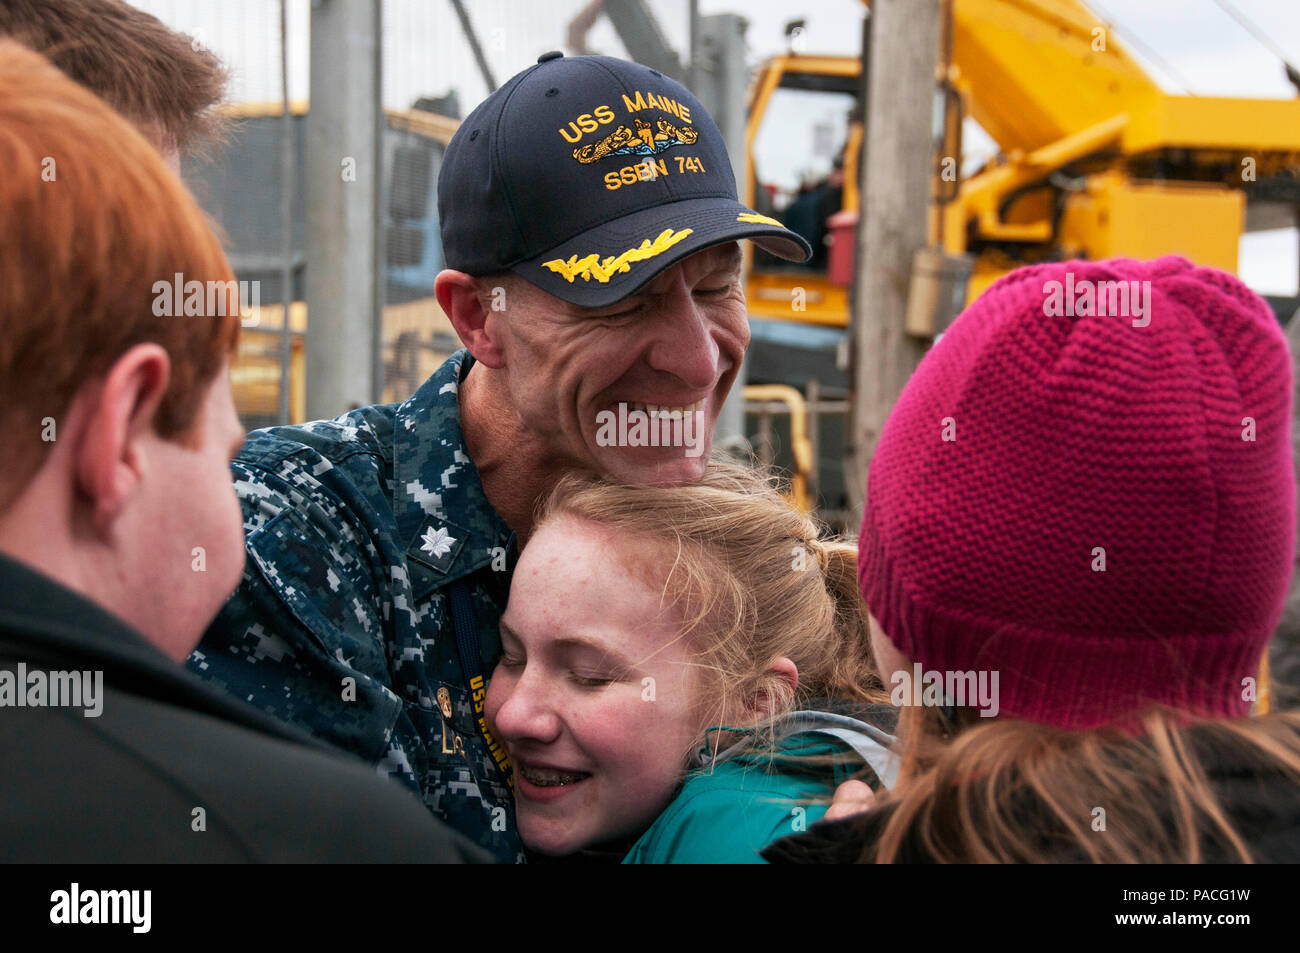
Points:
(341, 193)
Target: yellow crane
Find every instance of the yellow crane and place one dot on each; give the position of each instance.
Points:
(1094, 160)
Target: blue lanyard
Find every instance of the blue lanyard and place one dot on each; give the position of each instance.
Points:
(462, 617)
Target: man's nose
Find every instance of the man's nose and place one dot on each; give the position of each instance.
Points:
(683, 341)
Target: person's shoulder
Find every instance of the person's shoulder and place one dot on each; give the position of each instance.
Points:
(164, 782)
(366, 430)
(1253, 765)
(729, 812)
(848, 739)
(358, 449)
(839, 842)
(323, 805)
(324, 473)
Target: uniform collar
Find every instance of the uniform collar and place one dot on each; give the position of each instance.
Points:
(443, 516)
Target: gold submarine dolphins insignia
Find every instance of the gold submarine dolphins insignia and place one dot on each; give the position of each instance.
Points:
(645, 141)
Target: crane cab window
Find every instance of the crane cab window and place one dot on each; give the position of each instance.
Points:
(798, 158)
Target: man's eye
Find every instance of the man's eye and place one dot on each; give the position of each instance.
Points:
(509, 661)
(627, 313)
(716, 292)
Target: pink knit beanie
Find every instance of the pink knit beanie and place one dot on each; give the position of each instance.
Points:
(1087, 487)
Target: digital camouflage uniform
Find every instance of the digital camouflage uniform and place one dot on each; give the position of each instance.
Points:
(342, 623)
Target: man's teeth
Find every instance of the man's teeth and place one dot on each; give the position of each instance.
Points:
(548, 778)
(673, 413)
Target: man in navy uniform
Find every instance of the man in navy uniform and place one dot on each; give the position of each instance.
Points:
(590, 224)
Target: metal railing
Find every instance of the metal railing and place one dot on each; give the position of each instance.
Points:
(764, 402)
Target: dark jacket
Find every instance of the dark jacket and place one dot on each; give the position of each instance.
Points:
(127, 785)
(1260, 800)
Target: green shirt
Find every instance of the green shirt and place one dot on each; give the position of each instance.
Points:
(727, 814)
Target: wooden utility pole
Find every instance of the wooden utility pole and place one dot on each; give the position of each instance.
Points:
(899, 93)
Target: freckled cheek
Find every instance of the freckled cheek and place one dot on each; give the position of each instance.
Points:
(605, 729)
(650, 772)
(637, 743)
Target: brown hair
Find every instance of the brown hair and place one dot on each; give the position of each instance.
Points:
(93, 219)
(149, 73)
(752, 579)
(1012, 791)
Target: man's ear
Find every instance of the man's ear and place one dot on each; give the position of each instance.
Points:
(778, 687)
(110, 459)
(461, 298)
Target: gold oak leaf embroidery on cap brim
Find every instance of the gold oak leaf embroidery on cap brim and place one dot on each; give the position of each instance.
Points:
(755, 219)
(592, 266)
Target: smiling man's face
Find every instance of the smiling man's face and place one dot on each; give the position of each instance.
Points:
(677, 346)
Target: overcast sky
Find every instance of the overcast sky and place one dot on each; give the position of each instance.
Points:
(1188, 45)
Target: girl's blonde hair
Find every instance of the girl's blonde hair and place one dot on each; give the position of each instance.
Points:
(1012, 791)
(752, 580)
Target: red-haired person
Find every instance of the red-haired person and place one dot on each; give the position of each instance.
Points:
(1086, 489)
(120, 533)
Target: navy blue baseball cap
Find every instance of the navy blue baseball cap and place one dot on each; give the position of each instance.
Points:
(589, 175)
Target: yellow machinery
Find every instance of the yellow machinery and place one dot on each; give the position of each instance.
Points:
(1095, 160)
(792, 401)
